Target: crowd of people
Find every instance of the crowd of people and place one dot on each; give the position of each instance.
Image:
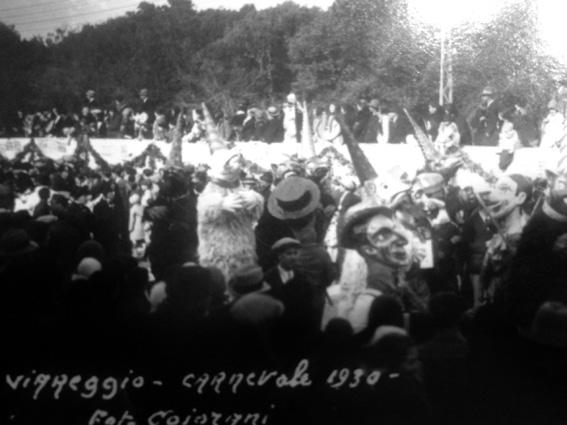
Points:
(500, 119)
(451, 287)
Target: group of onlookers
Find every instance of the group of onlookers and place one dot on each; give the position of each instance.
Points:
(498, 120)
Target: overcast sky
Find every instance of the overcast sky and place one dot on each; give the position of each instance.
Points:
(39, 17)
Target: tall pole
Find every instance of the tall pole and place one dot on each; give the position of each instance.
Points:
(442, 69)
(449, 69)
(446, 69)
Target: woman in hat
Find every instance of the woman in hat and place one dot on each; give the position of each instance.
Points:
(448, 136)
(552, 128)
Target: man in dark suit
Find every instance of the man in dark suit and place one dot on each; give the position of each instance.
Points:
(147, 106)
(485, 122)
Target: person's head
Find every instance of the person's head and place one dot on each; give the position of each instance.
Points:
(507, 115)
(143, 93)
(287, 251)
(7, 198)
(392, 350)
(385, 310)
(374, 106)
(17, 248)
(510, 192)
(338, 332)
(428, 191)
(189, 290)
(246, 280)
(487, 95)
(294, 200)
(44, 193)
(332, 108)
(90, 94)
(59, 204)
(291, 99)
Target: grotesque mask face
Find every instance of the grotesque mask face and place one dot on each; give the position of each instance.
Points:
(504, 198)
(390, 239)
(431, 204)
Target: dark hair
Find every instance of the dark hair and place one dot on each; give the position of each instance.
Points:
(44, 193)
(390, 352)
(524, 185)
(508, 114)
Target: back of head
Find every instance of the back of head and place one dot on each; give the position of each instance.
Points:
(338, 331)
(189, 291)
(256, 309)
(390, 351)
(7, 198)
(385, 310)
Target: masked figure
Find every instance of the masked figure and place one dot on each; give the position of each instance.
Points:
(386, 238)
(227, 214)
(539, 271)
(506, 206)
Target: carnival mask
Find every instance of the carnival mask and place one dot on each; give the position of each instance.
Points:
(390, 239)
(505, 198)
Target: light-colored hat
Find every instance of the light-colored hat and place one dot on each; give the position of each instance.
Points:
(219, 161)
(272, 111)
(285, 243)
(488, 91)
(88, 266)
(248, 279)
(293, 198)
(291, 98)
(429, 183)
(384, 331)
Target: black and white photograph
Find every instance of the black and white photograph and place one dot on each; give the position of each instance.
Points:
(269, 212)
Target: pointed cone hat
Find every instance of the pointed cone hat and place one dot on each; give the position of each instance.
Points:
(308, 148)
(362, 166)
(175, 154)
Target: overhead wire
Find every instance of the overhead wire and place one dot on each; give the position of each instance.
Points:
(71, 16)
(60, 7)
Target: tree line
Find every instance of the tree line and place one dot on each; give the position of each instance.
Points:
(356, 48)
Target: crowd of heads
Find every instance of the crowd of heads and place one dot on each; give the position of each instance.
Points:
(499, 119)
(101, 270)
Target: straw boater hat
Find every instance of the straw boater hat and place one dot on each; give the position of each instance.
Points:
(294, 198)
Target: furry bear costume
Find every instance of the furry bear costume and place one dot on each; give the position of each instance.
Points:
(227, 214)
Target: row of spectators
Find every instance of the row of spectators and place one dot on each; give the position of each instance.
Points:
(497, 121)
